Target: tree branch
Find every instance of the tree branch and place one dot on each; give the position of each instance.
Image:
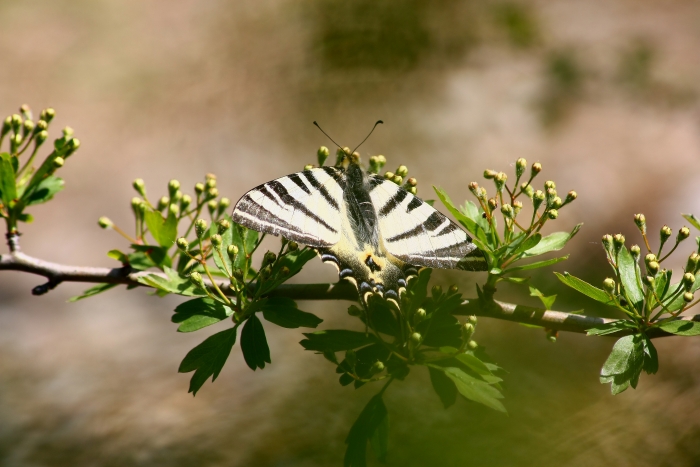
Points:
(57, 273)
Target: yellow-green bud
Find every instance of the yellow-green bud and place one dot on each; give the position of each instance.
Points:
(609, 285)
(284, 271)
(265, 272)
(41, 137)
(467, 331)
(688, 297)
(665, 233)
(200, 227)
(398, 179)
(223, 226)
(308, 167)
(653, 268)
(389, 175)
(381, 160)
(641, 222)
(17, 139)
(163, 202)
(176, 197)
(500, 180)
(322, 155)
(15, 122)
(211, 206)
(224, 203)
(238, 274)
(182, 243)
(556, 202)
(635, 251)
(549, 184)
(517, 207)
(507, 211)
(552, 214)
(377, 367)
(58, 162)
(692, 264)
(292, 246)
(618, 241)
(472, 345)
(71, 146)
(490, 174)
(413, 190)
(68, 132)
(27, 127)
(550, 193)
(537, 199)
(412, 181)
(648, 281)
(683, 233)
(474, 188)
(136, 205)
(493, 204)
(570, 196)
(25, 111)
(211, 182)
(212, 193)
(173, 186)
(436, 290)
(196, 279)
(607, 242)
(199, 188)
(41, 125)
(402, 170)
(688, 280)
(216, 241)
(140, 187)
(232, 251)
(105, 222)
(419, 315)
(472, 319)
(416, 337)
(536, 168)
(269, 258)
(48, 114)
(6, 126)
(520, 165)
(527, 189)
(453, 289)
(185, 201)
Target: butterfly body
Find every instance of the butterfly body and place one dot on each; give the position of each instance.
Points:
(375, 232)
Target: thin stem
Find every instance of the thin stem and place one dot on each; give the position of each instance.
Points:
(123, 234)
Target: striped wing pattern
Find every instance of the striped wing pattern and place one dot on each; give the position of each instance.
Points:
(303, 207)
(418, 234)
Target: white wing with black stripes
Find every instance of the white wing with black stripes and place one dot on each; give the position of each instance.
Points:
(418, 234)
(303, 207)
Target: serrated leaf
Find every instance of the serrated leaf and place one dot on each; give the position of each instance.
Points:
(553, 242)
(681, 327)
(610, 328)
(8, 189)
(444, 387)
(336, 340)
(537, 264)
(625, 364)
(254, 344)
(629, 271)
(475, 389)
(694, 221)
(547, 301)
(198, 313)
(477, 366)
(364, 428)
(172, 283)
(208, 358)
(99, 288)
(584, 287)
(44, 191)
(284, 312)
(163, 230)
(380, 439)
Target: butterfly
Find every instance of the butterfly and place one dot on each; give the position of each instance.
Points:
(376, 233)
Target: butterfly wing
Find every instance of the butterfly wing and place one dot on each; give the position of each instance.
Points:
(303, 207)
(418, 234)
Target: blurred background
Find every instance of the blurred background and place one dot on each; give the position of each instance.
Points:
(603, 93)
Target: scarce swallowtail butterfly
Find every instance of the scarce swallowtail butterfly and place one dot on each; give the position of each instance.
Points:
(376, 233)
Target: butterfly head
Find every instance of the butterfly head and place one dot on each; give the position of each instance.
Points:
(347, 158)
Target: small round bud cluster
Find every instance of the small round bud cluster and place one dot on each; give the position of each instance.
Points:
(551, 193)
(527, 189)
(232, 251)
(683, 233)
(216, 241)
(520, 166)
(507, 211)
(537, 199)
(173, 187)
(665, 233)
(641, 222)
(269, 258)
(398, 179)
(199, 188)
(517, 207)
(185, 202)
(105, 222)
(196, 279)
(292, 246)
(609, 285)
(688, 297)
(402, 170)
(618, 242)
(692, 264)
(688, 281)
(493, 203)
(552, 214)
(467, 331)
(48, 114)
(200, 227)
(223, 225)
(500, 180)
(389, 175)
(163, 203)
(635, 251)
(224, 203)
(653, 268)
(211, 207)
(182, 243)
(322, 154)
(550, 185)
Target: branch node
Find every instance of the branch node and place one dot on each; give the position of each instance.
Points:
(44, 288)
(12, 241)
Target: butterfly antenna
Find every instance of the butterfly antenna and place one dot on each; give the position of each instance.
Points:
(370, 133)
(319, 127)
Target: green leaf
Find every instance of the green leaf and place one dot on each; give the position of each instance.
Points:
(371, 418)
(681, 327)
(336, 340)
(610, 328)
(44, 191)
(208, 358)
(199, 313)
(629, 272)
(119, 256)
(651, 358)
(584, 287)
(284, 312)
(678, 302)
(164, 230)
(417, 290)
(525, 245)
(475, 364)
(380, 439)
(516, 280)
(625, 364)
(553, 242)
(443, 386)
(8, 189)
(537, 264)
(149, 256)
(173, 283)
(547, 301)
(479, 236)
(99, 288)
(226, 240)
(475, 389)
(441, 329)
(245, 239)
(693, 220)
(254, 344)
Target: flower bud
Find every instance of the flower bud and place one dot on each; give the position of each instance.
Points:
(173, 186)
(474, 188)
(402, 170)
(105, 222)
(6, 126)
(641, 222)
(389, 175)
(500, 180)
(176, 197)
(683, 233)
(416, 337)
(490, 174)
(199, 188)
(570, 196)
(381, 160)
(58, 162)
(224, 203)
(481, 194)
(609, 285)
(467, 331)
(269, 258)
(211, 182)
(196, 279)
(48, 114)
(308, 167)
(216, 241)
(527, 189)
(15, 122)
(493, 203)
(537, 199)
(413, 190)
(211, 206)
(238, 274)
(223, 226)
(635, 251)
(648, 281)
(556, 202)
(536, 168)
(398, 179)
(212, 193)
(692, 264)
(507, 211)
(653, 268)
(688, 280)
(453, 289)
(322, 154)
(377, 367)
(520, 165)
(550, 193)
(517, 207)
(549, 185)
(232, 251)
(419, 315)
(163, 203)
(472, 345)
(618, 241)
(27, 127)
(688, 297)
(552, 214)
(41, 137)
(72, 146)
(182, 243)
(68, 132)
(665, 233)
(185, 201)
(136, 205)
(411, 182)
(140, 187)
(200, 227)
(265, 272)
(436, 291)
(284, 271)
(607, 241)
(472, 319)
(41, 125)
